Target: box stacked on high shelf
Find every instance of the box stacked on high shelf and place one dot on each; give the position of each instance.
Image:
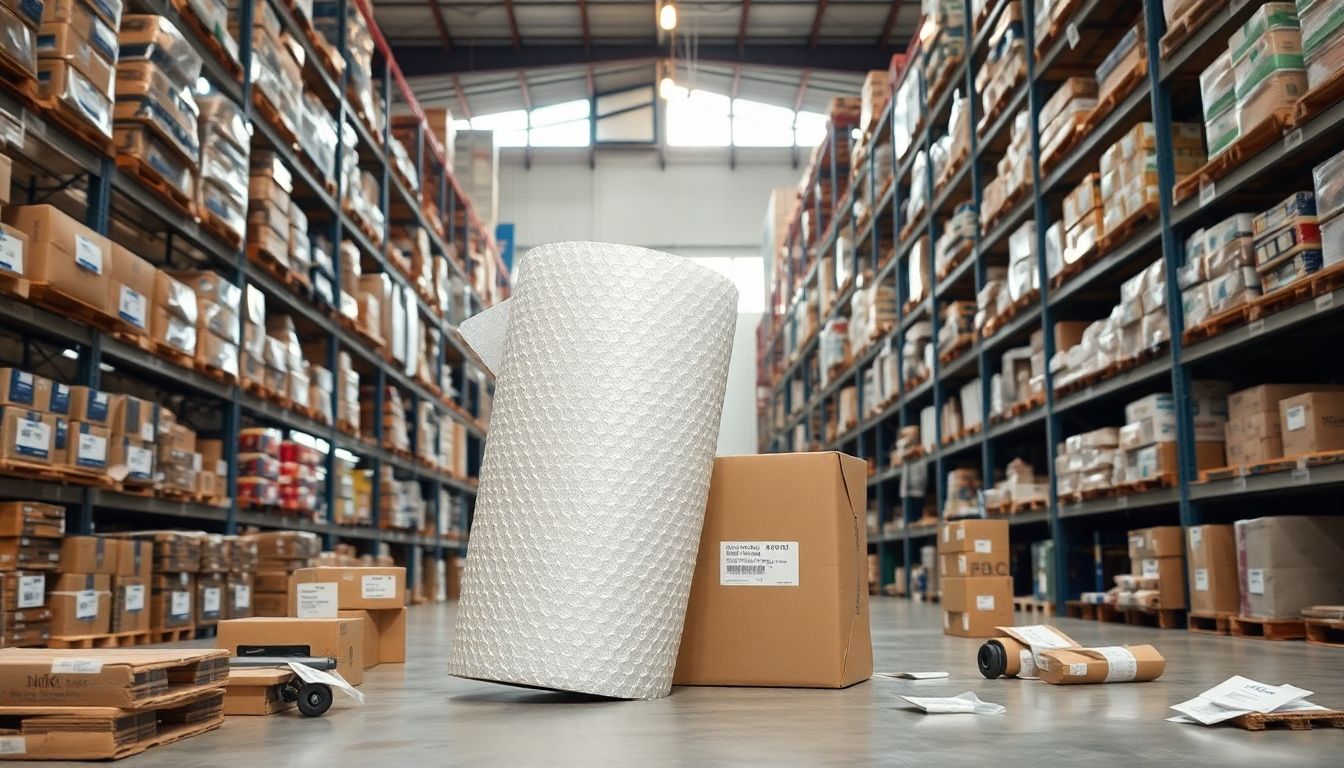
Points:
(396, 435)
(259, 467)
(270, 187)
(1219, 272)
(30, 551)
(1129, 174)
(21, 23)
(155, 118)
(1322, 40)
(1005, 66)
(76, 53)
(1124, 66)
(277, 78)
(1254, 431)
(1329, 184)
(1156, 580)
(222, 187)
(1063, 116)
(402, 506)
(287, 355)
(173, 319)
(302, 479)
(945, 46)
(133, 435)
(359, 48)
(218, 328)
(81, 596)
(279, 554)
(131, 586)
(242, 552)
(1287, 243)
(178, 462)
(318, 137)
(211, 579)
(976, 582)
(1087, 463)
(1148, 437)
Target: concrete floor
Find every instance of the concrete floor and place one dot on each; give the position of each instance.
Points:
(416, 712)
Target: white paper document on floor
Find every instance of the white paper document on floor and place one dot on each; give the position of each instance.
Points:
(1238, 696)
(912, 675)
(310, 675)
(963, 704)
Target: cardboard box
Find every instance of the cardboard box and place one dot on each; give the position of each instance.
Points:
(63, 41)
(13, 246)
(977, 623)
(23, 389)
(31, 518)
(978, 594)
(89, 554)
(985, 537)
(90, 405)
(973, 564)
(1212, 556)
(321, 592)
(384, 635)
(340, 638)
(26, 435)
(29, 553)
(1312, 422)
(238, 599)
(256, 692)
(131, 288)
(1160, 541)
(172, 598)
(71, 258)
(783, 556)
(1288, 563)
(1073, 666)
(81, 604)
(1169, 575)
(87, 447)
(130, 604)
(137, 681)
(1265, 398)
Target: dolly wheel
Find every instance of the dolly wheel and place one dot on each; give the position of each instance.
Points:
(314, 699)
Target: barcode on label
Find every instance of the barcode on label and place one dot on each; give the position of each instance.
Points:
(746, 568)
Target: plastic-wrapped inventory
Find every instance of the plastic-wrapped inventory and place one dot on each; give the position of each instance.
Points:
(642, 485)
(157, 40)
(132, 139)
(1297, 204)
(58, 81)
(1329, 184)
(919, 191)
(1232, 289)
(1289, 270)
(1120, 61)
(277, 77)
(18, 43)
(63, 41)
(1023, 275)
(318, 133)
(920, 270)
(1332, 241)
(957, 238)
(147, 97)
(1323, 40)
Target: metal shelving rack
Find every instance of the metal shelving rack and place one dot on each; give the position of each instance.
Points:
(1169, 93)
(111, 198)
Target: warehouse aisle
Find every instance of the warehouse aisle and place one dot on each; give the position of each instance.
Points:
(417, 712)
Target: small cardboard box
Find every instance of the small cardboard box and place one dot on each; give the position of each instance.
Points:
(130, 604)
(89, 554)
(1264, 399)
(26, 435)
(130, 459)
(31, 518)
(384, 635)
(984, 537)
(1212, 554)
(90, 406)
(81, 604)
(976, 594)
(977, 623)
(1160, 541)
(780, 591)
(131, 288)
(88, 447)
(71, 258)
(256, 692)
(321, 592)
(1289, 562)
(1115, 664)
(1312, 422)
(22, 389)
(1169, 573)
(339, 638)
(13, 246)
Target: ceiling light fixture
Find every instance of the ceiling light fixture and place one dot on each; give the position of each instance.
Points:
(667, 17)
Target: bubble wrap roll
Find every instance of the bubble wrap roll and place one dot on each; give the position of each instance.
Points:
(609, 389)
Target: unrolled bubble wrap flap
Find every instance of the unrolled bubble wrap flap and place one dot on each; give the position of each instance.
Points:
(611, 364)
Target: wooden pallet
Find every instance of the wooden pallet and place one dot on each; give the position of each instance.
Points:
(1209, 622)
(118, 640)
(1107, 104)
(963, 342)
(1125, 229)
(1314, 285)
(1063, 16)
(83, 132)
(1248, 145)
(1077, 609)
(1321, 97)
(1328, 632)
(1146, 485)
(273, 118)
(1036, 608)
(1162, 618)
(217, 227)
(958, 256)
(1020, 507)
(935, 91)
(1292, 721)
(1267, 629)
(1181, 29)
(1218, 324)
(174, 355)
(992, 115)
(193, 22)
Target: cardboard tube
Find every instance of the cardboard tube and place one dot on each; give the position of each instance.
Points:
(1000, 657)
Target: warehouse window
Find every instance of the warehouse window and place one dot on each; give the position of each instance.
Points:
(561, 125)
(698, 119)
(810, 129)
(761, 125)
(510, 127)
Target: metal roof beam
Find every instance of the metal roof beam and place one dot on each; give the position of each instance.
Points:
(890, 23)
(422, 60)
(816, 24)
(461, 98)
(742, 25)
(441, 24)
(802, 90)
(583, 22)
(513, 25)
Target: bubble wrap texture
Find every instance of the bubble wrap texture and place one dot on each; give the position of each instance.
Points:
(596, 471)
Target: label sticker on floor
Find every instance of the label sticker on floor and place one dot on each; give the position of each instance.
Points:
(76, 666)
(758, 563)
(317, 601)
(984, 602)
(86, 604)
(1255, 580)
(134, 597)
(180, 605)
(1201, 580)
(31, 590)
(1121, 666)
(378, 587)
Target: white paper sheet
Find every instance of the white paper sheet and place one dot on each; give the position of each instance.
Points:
(962, 704)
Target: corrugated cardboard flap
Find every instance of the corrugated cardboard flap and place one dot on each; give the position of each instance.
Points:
(854, 482)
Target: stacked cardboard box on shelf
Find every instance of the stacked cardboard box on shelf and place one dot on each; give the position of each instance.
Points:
(1148, 437)
(131, 585)
(1254, 432)
(1214, 587)
(1288, 563)
(172, 596)
(1287, 242)
(1312, 422)
(980, 596)
(1129, 171)
(269, 203)
(211, 579)
(279, 554)
(81, 596)
(242, 570)
(74, 64)
(179, 465)
(218, 329)
(1157, 570)
(1219, 273)
(1088, 461)
(30, 550)
(1063, 115)
(70, 259)
(131, 444)
(223, 185)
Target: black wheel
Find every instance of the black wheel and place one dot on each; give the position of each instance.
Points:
(992, 660)
(314, 699)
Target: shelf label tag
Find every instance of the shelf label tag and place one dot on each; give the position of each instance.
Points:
(1256, 328)
(1293, 139)
(1207, 192)
(1239, 483)
(1301, 475)
(1325, 301)
(1122, 501)
(1071, 32)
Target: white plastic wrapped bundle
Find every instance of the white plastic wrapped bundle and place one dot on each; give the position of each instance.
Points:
(611, 365)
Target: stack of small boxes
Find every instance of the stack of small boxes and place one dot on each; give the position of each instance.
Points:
(401, 505)
(289, 370)
(1062, 115)
(1157, 570)
(279, 553)
(1254, 429)
(1214, 586)
(242, 552)
(81, 442)
(376, 595)
(348, 256)
(301, 480)
(222, 189)
(211, 579)
(1117, 68)
(1084, 219)
(977, 585)
(259, 467)
(81, 596)
(155, 119)
(1219, 272)
(348, 406)
(396, 434)
(178, 463)
(130, 585)
(1148, 437)
(1287, 242)
(375, 299)
(30, 550)
(1129, 170)
(218, 330)
(1088, 461)
(1322, 40)
(130, 456)
(177, 557)
(277, 77)
(173, 318)
(252, 357)
(269, 203)
(76, 53)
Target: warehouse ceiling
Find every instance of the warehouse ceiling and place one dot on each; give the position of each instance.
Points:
(480, 57)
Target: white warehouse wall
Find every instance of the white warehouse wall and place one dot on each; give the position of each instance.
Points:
(695, 207)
